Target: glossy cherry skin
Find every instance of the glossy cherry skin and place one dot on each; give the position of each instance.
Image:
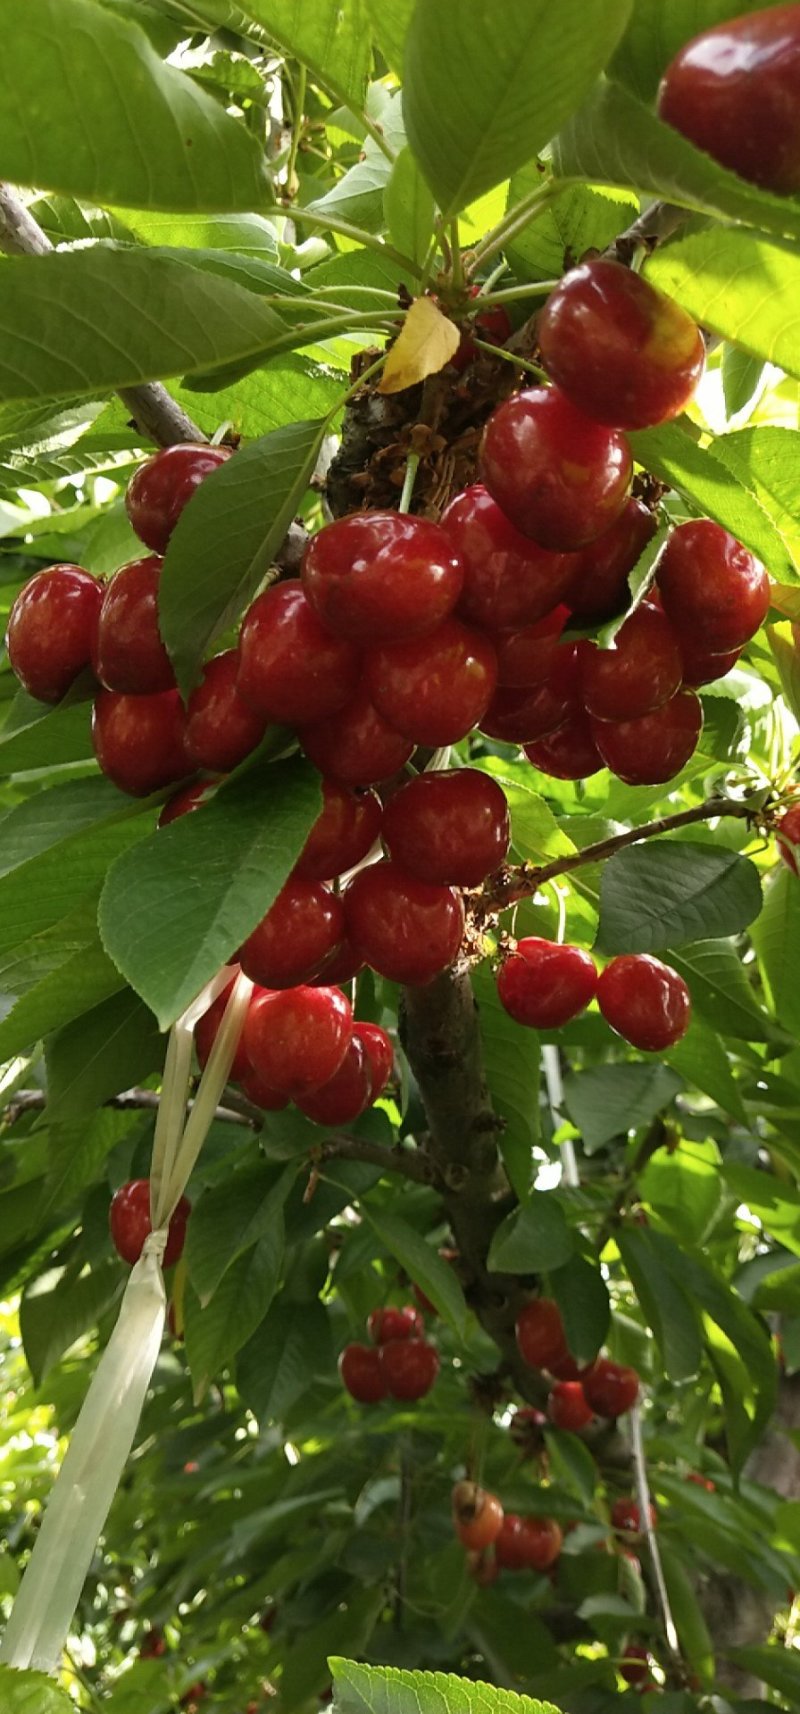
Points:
(344, 966)
(221, 728)
(508, 580)
(291, 669)
(207, 1028)
(567, 1406)
(345, 830)
(161, 487)
(51, 630)
(356, 747)
(129, 1223)
(561, 478)
(406, 929)
(526, 657)
(434, 689)
(611, 1388)
(644, 1001)
(522, 716)
(410, 1367)
(139, 741)
(570, 753)
(381, 576)
(542, 1540)
(296, 1038)
(477, 1515)
(362, 1374)
(300, 933)
(787, 832)
(634, 1666)
(621, 351)
(450, 828)
(128, 652)
(348, 1093)
(639, 672)
(711, 587)
(259, 1092)
(510, 1548)
(598, 586)
(545, 985)
(625, 1515)
(700, 667)
(654, 748)
(188, 799)
(733, 92)
(540, 1332)
(380, 1054)
(388, 1323)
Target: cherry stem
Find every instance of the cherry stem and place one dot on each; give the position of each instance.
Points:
(510, 357)
(512, 294)
(408, 482)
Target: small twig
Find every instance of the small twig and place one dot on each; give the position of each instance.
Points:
(657, 222)
(409, 1165)
(131, 1100)
(646, 1527)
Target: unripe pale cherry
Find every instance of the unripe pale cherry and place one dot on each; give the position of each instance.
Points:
(406, 929)
(390, 1322)
(653, 749)
(569, 753)
(130, 1224)
(540, 1333)
(221, 728)
(561, 478)
(410, 1367)
(139, 741)
(544, 985)
(477, 1515)
(435, 688)
(291, 669)
(639, 672)
(345, 830)
(610, 1388)
(356, 746)
(299, 935)
(508, 580)
(129, 654)
(381, 576)
(160, 488)
(296, 1038)
(347, 1094)
(51, 630)
(451, 828)
(645, 1001)
(362, 1374)
(711, 587)
(598, 586)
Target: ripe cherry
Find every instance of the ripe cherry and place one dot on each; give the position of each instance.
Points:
(348, 1093)
(153, 1645)
(492, 324)
(251, 1085)
(526, 657)
(542, 1541)
(702, 1481)
(625, 1515)
(410, 1367)
(406, 929)
(345, 830)
(207, 1028)
(434, 689)
(128, 652)
(564, 1368)
(301, 931)
(598, 586)
(380, 1054)
(508, 580)
(139, 740)
(620, 350)
(733, 92)
(344, 966)
(540, 1333)
(221, 728)
(644, 1001)
(787, 833)
(610, 1388)
(510, 1547)
(569, 753)
(634, 1665)
(450, 828)
(525, 715)
(161, 487)
(296, 1038)
(558, 476)
(291, 669)
(356, 746)
(130, 1224)
(654, 748)
(639, 672)
(390, 1322)
(381, 576)
(545, 985)
(477, 1515)
(712, 588)
(700, 667)
(567, 1406)
(185, 801)
(362, 1374)
(51, 630)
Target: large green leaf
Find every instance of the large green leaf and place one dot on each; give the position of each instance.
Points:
(290, 1350)
(49, 887)
(389, 20)
(58, 1310)
(488, 83)
(723, 996)
(764, 460)
(701, 1058)
(582, 1296)
(217, 1330)
(672, 453)
(666, 1307)
(32, 1693)
(737, 284)
(776, 936)
(533, 1239)
(582, 217)
(422, 1263)
(776, 1664)
(110, 1048)
(331, 37)
(607, 1101)
(656, 32)
(390, 1690)
(775, 1203)
(87, 107)
(172, 913)
(79, 981)
(59, 815)
(668, 891)
(230, 1218)
(409, 208)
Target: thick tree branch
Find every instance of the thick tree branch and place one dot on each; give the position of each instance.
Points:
(656, 223)
(409, 1164)
(131, 1100)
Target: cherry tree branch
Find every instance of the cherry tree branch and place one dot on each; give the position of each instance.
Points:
(408, 1163)
(656, 223)
(130, 1101)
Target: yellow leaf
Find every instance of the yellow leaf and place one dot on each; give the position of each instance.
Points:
(426, 341)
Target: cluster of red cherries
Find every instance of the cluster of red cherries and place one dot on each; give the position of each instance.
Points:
(602, 1388)
(399, 1364)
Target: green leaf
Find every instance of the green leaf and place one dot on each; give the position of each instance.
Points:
(701, 1059)
(106, 1050)
(779, 1291)
(666, 1307)
(49, 887)
(536, 835)
(776, 937)
(511, 1058)
(698, 472)
(697, 1647)
(581, 218)
(216, 1332)
(245, 234)
(738, 284)
(488, 84)
(331, 37)
(121, 127)
(230, 1218)
(582, 1296)
(741, 379)
(247, 503)
(58, 815)
(774, 1202)
(48, 738)
(350, 1626)
(291, 1349)
(79, 982)
(656, 32)
(776, 1664)
(668, 891)
(723, 996)
(422, 1263)
(389, 1690)
(32, 1693)
(56, 1312)
(533, 1239)
(389, 21)
(606, 1101)
(174, 911)
(764, 460)
(409, 208)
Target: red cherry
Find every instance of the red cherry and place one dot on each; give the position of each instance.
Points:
(345, 831)
(260, 1093)
(188, 799)
(653, 749)
(129, 1223)
(564, 1368)
(128, 652)
(545, 985)
(139, 740)
(381, 576)
(567, 1406)
(508, 580)
(570, 753)
(357, 746)
(51, 630)
(380, 1054)
(702, 1481)
(711, 587)
(787, 832)
(410, 1367)
(634, 1666)
(207, 1028)
(559, 477)
(510, 1545)
(153, 1645)
(301, 931)
(523, 716)
(221, 728)
(434, 689)
(542, 1541)
(477, 1515)
(296, 1038)
(625, 1514)
(362, 1374)
(644, 1001)
(526, 657)
(406, 929)
(733, 92)
(598, 587)
(348, 1093)
(450, 828)
(620, 350)
(392, 1323)
(610, 1388)
(700, 667)
(540, 1333)
(161, 487)
(291, 669)
(640, 671)
(492, 324)
(344, 966)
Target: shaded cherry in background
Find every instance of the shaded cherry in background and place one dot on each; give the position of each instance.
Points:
(362, 1374)
(567, 1406)
(435, 688)
(787, 832)
(296, 1039)
(644, 1001)
(139, 741)
(634, 1665)
(188, 799)
(639, 672)
(521, 716)
(451, 828)
(540, 1333)
(380, 1054)
(526, 657)
(653, 749)
(342, 967)
(51, 630)
(259, 1092)
(477, 1515)
(610, 1388)
(129, 1223)
(128, 652)
(299, 934)
(381, 576)
(510, 1547)
(403, 1322)
(221, 728)
(543, 1541)
(345, 830)
(569, 753)
(406, 929)
(544, 985)
(492, 324)
(508, 580)
(625, 1515)
(561, 478)
(161, 487)
(348, 1093)
(711, 587)
(598, 586)
(410, 1367)
(356, 746)
(291, 669)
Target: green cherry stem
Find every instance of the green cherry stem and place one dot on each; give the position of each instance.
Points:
(408, 482)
